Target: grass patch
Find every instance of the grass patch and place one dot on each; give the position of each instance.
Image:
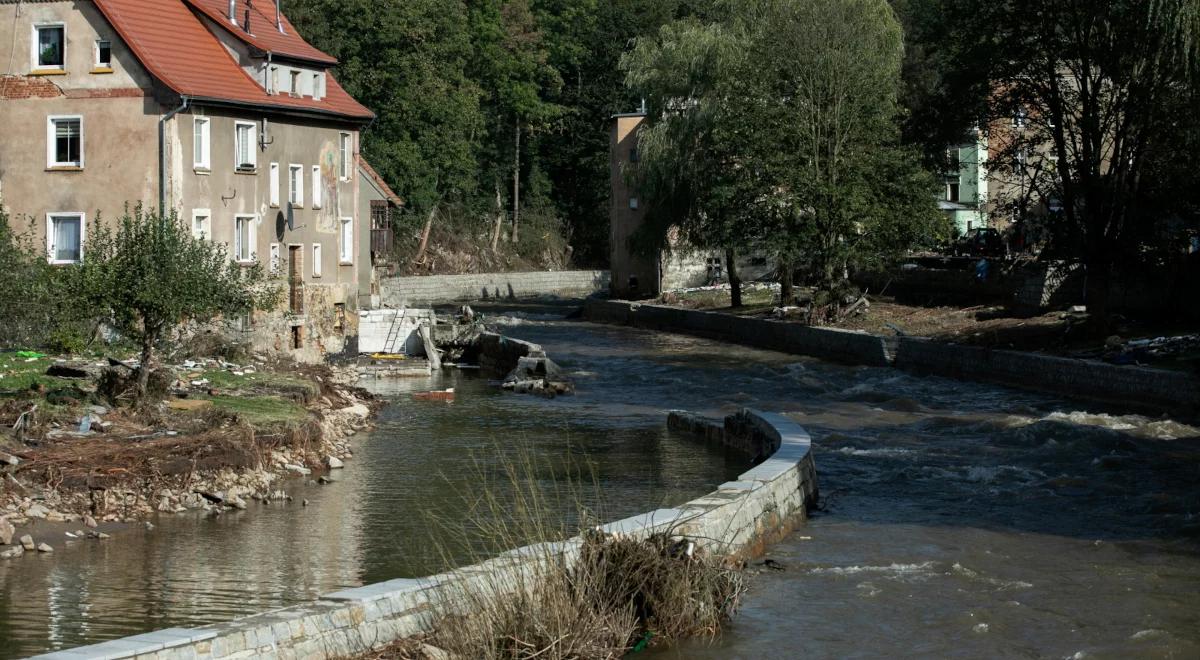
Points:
(17, 375)
(261, 381)
(261, 410)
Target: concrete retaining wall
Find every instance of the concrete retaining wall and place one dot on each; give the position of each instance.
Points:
(734, 519)
(499, 354)
(829, 344)
(432, 289)
(1153, 391)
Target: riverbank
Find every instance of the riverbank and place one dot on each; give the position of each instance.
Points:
(1125, 387)
(79, 469)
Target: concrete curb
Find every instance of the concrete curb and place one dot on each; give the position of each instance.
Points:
(736, 519)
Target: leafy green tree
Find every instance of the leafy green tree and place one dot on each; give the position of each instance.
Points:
(697, 171)
(407, 62)
(148, 274)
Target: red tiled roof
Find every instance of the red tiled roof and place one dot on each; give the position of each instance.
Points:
(178, 49)
(383, 186)
(265, 35)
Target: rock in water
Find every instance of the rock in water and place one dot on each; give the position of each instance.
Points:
(89, 521)
(27, 542)
(44, 547)
(12, 553)
(6, 531)
(36, 510)
(335, 463)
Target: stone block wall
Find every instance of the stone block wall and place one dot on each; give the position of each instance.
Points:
(1152, 391)
(433, 289)
(830, 344)
(736, 519)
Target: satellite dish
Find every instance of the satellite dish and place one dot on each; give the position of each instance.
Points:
(281, 224)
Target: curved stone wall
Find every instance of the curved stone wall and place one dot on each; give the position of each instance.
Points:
(735, 519)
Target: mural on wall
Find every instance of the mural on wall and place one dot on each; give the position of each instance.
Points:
(327, 218)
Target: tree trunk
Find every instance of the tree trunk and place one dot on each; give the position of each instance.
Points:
(516, 201)
(425, 236)
(787, 290)
(143, 375)
(499, 217)
(1096, 291)
(735, 281)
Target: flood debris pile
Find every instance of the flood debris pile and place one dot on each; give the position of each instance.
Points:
(218, 435)
(537, 375)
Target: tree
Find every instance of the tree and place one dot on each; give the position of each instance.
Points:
(776, 129)
(823, 81)
(696, 170)
(1102, 86)
(149, 274)
(407, 62)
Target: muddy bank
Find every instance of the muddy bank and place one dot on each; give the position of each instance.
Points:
(262, 433)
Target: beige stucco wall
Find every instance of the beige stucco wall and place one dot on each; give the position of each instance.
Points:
(624, 221)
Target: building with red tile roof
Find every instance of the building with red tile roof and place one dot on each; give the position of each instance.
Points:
(218, 111)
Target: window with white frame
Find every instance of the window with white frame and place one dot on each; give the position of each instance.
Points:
(346, 245)
(296, 185)
(294, 86)
(344, 157)
(275, 259)
(245, 155)
(316, 184)
(316, 260)
(64, 141)
(49, 45)
(243, 238)
(202, 224)
(64, 237)
(103, 54)
(316, 86)
(201, 151)
(273, 81)
(274, 184)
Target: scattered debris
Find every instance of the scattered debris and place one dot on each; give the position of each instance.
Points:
(435, 395)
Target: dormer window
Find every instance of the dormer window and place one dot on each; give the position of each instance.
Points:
(316, 86)
(295, 84)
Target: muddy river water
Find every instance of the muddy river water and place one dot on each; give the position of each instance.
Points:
(958, 520)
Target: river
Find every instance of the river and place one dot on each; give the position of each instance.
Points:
(958, 519)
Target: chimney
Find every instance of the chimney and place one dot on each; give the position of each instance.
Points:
(233, 11)
(278, 17)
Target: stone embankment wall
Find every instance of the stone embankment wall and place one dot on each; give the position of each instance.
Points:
(1151, 391)
(735, 519)
(433, 289)
(829, 344)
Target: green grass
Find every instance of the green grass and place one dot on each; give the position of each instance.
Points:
(261, 410)
(17, 375)
(259, 381)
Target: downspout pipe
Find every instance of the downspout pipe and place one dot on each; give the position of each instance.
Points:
(162, 156)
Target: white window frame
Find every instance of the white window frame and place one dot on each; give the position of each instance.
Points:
(253, 146)
(252, 236)
(346, 247)
(316, 186)
(274, 185)
(294, 82)
(316, 86)
(33, 47)
(50, 236)
(207, 215)
(51, 142)
(316, 260)
(276, 259)
(96, 63)
(204, 163)
(296, 188)
(344, 149)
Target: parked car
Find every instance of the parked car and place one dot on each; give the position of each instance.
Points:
(981, 242)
